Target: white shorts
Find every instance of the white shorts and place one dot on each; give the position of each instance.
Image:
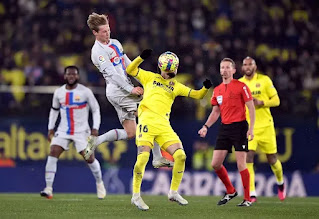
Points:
(63, 140)
(125, 106)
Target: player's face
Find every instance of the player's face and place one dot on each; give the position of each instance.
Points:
(168, 75)
(249, 67)
(103, 34)
(71, 76)
(226, 69)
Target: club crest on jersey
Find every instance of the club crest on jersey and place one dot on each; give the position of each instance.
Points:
(101, 59)
(257, 85)
(219, 99)
(116, 60)
(171, 83)
(77, 98)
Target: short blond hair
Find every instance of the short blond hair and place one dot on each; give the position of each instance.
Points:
(229, 60)
(95, 20)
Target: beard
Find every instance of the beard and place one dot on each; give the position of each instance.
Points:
(171, 75)
(72, 84)
(250, 72)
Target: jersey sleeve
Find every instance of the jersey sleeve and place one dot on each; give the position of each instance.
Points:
(182, 90)
(54, 113)
(144, 76)
(95, 109)
(270, 88)
(213, 100)
(108, 70)
(55, 101)
(245, 92)
(127, 61)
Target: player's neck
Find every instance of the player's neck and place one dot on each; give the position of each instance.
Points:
(249, 77)
(227, 80)
(103, 42)
(71, 87)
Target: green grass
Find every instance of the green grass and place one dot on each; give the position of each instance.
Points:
(88, 206)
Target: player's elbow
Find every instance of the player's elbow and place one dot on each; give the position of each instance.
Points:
(130, 68)
(278, 102)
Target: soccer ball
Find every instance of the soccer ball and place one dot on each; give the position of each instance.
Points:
(168, 61)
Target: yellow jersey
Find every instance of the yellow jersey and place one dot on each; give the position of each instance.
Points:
(160, 93)
(261, 88)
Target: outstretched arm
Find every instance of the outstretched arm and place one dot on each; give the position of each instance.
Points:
(199, 94)
(132, 69)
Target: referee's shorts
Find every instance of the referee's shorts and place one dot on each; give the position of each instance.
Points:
(234, 134)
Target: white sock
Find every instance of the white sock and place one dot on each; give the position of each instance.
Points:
(112, 135)
(156, 152)
(252, 193)
(96, 170)
(50, 170)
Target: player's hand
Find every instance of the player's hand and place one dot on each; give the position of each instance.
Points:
(250, 134)
(146, 53)
(95, 132)
(137, 91)
(258, 102)
(202, 132)
(50, 134)
(207, 84)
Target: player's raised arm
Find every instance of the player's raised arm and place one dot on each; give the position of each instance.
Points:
(199, 94)
(132, 69)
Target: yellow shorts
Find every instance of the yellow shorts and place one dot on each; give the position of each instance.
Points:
(265, 139)
(150, 129)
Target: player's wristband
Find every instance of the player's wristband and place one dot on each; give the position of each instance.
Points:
(206, 126)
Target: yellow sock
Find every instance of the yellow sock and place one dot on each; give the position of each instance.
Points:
(250, 167)
(139, 170)
(178, 169)
(277, 170)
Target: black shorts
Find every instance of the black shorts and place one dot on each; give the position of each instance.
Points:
(234, 134)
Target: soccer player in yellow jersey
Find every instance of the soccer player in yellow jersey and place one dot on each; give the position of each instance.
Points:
(265, 96)
(160, 90)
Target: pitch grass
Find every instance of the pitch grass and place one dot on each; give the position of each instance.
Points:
(119, 206)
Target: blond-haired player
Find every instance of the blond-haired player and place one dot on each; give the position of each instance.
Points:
(160, 90)
(265, 96)
(108, 56)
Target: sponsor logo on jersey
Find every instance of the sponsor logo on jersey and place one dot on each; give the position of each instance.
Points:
(258, 85)
(101, 59)
(165, 87)
(219, 99)
(256, 92)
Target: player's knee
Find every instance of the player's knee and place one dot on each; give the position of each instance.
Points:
(241, 166)
(179, 155)
(216, 166)
(250, 157)
(55, 152)
(90, 160)
(130, 135)
(141, 161)
(272, 158)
